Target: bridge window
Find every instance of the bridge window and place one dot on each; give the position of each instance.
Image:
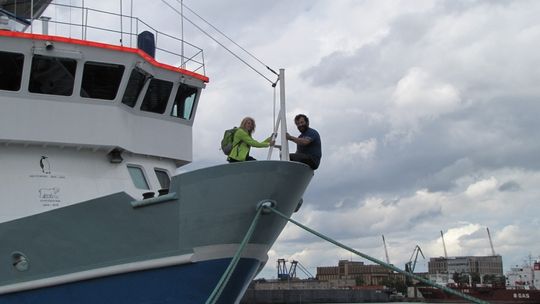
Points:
(157, 96)
(101, 80)
(134, 87)
(184, 102)
(163, 178)
(51, 75)
(138, 177)
(11, 66)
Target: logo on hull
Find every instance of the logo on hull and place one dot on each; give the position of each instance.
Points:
(45, 165)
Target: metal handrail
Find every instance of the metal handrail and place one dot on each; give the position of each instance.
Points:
(165, 45)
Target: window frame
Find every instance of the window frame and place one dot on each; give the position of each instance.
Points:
(33, 82)
(175, 102)
(145, 79)
(166, 172)
(120, 70)
(146, 105)
(19, 75)
(144, 176)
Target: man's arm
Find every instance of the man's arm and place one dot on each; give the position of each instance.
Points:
(299, 141)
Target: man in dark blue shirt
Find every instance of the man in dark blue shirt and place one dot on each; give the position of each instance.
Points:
(308, 143)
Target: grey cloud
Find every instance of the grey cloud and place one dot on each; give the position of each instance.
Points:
(444, 179)
(376, 65)
(510, 186)
(360, 70)
(390, 202)
(427, 215)
(456, 6)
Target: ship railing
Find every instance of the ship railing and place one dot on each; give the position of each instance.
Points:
(117, 29)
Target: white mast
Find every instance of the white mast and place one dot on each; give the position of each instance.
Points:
(281, 119)
(282, 114)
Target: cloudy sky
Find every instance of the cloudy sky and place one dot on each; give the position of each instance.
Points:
(428, 112)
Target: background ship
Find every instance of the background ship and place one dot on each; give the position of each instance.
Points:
(494, 295)
(91, 136)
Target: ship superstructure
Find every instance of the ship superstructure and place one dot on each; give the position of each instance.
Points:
(68, 104)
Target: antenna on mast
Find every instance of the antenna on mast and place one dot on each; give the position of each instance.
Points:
(444, 246)
(490, 242)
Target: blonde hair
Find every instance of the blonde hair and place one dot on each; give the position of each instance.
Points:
(244, 123)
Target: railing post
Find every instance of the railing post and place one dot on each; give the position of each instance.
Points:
(45, 25)
(86, 25)
(31, 16)
(121, 25)
(82, 20)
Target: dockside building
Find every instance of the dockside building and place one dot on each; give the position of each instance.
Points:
(357, 272)
(482, 265)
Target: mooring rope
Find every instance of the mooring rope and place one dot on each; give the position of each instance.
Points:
(214, 296)
(386, 265)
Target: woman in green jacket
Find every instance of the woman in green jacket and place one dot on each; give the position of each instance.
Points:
(242, 141)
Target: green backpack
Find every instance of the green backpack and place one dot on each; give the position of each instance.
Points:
(227, 141)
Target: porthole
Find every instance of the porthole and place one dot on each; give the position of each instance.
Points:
(19, 261)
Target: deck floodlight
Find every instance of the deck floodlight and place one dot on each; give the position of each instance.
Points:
(115, 156)
(49, 46)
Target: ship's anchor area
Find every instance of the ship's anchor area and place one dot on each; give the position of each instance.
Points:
(268, 207)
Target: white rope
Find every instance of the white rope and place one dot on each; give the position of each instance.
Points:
(274, 117)
(276, 127)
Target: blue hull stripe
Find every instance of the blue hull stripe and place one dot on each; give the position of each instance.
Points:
(191, 283)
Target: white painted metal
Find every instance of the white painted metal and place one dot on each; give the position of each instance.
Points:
(283, 114)
(54, 149)
(281, 120)
(38, 178)
(274, 135)
(84, 122)
(31, 16)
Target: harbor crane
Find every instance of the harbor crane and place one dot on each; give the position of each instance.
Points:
(385, 250)
(282, 272)
(444, 245)
(410, 265)
(490, 242)
(285, 273)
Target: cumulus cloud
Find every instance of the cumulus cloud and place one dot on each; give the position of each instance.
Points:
(418, 96)
(354, 152)
(481, 187)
